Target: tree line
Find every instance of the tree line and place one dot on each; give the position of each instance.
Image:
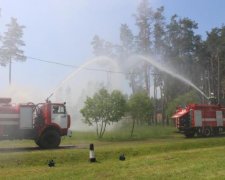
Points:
(175, 43)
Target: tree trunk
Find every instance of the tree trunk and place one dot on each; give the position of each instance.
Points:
(10, 67)
(103, 130)
(132, 129)
(147, 78)
(132, 84)
(209, 86)
(97, 129)
(155, 105)
(218, 80)
(162, 104)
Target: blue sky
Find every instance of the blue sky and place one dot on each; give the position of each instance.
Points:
(207, 13)
(61, 30)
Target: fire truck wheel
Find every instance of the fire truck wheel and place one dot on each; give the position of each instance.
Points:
(50, 139)
(189, 134)
(207, 132)
(216, 131)
(37, 142)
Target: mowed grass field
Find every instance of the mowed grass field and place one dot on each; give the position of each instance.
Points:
(153, 153)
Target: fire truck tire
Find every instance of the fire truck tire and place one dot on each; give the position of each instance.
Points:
(50, 139)
(37, 142)
(216, 131)
(207, 132)
(190, 134)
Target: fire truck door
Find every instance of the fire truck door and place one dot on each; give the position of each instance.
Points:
(59, 115)
(198, 118)
(219, 118)
(26, 117)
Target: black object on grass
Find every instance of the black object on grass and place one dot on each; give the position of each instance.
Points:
(122, 157)
(51, 163)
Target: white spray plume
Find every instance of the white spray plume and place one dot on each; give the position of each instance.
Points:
(168, 71)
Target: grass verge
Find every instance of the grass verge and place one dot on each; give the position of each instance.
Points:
(149, 157)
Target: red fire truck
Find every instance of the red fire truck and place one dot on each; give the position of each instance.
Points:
(202, 120)
(45, 123)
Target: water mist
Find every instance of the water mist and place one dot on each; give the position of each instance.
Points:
(101, 59)
(166, 70)
(80, 83)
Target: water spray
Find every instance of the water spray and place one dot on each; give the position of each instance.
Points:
(47, 100)
(84, 66)
(175, 75)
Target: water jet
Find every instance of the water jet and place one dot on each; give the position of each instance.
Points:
(166, 70)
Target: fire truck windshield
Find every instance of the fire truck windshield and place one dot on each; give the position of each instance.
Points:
(58, 109)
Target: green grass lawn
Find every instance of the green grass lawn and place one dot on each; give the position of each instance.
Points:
(153, 153)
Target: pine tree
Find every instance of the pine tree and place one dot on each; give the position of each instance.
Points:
(98, 45)
(144, 19)
(127, 49)
(102, 47)
(159, 51)
(11, 43)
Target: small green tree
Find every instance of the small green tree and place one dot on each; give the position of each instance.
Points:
(140, 108)
(103, 109)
